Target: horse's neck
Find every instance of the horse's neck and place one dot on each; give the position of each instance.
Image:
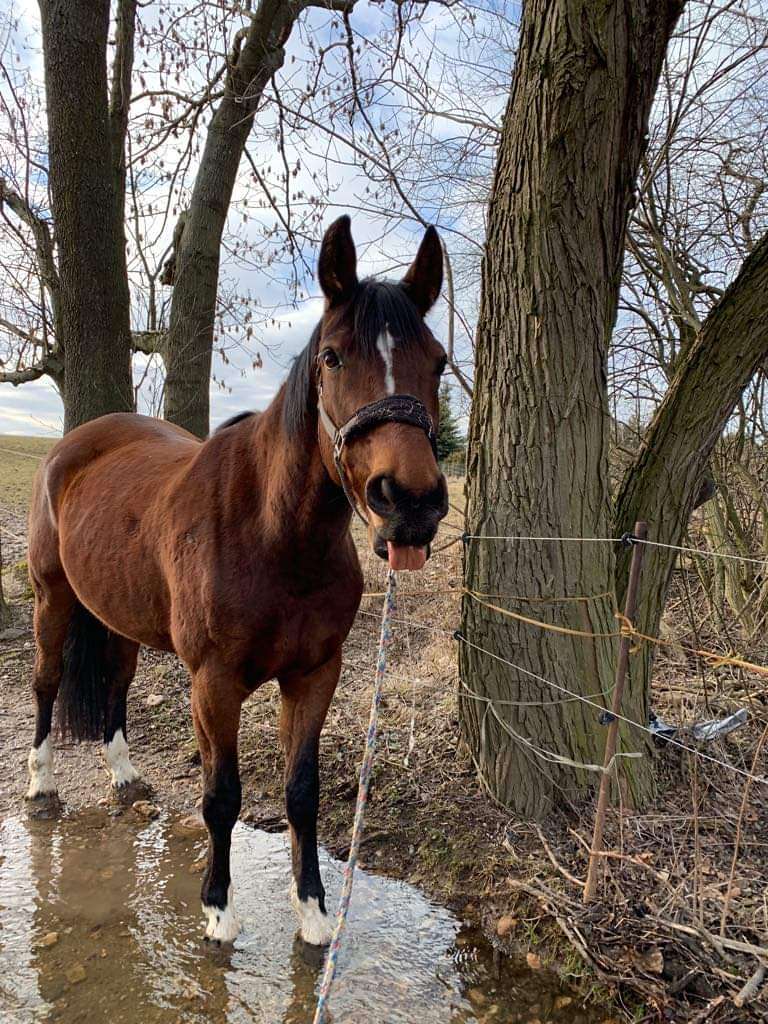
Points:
(301, 499)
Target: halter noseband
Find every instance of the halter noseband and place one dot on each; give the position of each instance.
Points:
(393, 409)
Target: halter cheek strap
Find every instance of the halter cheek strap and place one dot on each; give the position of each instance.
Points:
(393, 409)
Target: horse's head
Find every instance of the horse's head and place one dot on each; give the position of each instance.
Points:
(378, 370)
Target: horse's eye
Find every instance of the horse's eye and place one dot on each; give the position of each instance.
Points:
(330, 358)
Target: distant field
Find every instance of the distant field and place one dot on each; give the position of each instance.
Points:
(19, 458)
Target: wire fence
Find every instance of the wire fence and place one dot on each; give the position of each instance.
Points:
(625, 628)
(572, 695)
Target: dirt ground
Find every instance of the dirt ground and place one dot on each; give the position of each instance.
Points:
(650, 950)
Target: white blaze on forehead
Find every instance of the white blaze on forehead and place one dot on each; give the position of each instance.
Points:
(386, 346)
(40, 765)
(116, 753)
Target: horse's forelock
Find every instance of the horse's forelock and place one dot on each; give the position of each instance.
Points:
(384, 306)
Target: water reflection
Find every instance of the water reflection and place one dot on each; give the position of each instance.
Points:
(100, 921)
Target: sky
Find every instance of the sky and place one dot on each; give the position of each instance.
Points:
(287, 317)
(469, 72)
(35, 408)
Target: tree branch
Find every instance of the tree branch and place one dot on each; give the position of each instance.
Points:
(120, 89)
(43, 240)
(149, 342)
(664, 481)
(51, 365)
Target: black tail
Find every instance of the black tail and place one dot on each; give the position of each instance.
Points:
(84, 687)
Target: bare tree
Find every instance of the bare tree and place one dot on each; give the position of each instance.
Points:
(572, 139)
(86, 173)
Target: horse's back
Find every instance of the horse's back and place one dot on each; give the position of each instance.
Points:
(117, 450)
(84, 446)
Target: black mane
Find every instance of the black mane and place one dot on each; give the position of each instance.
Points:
(376, 306)
(237, 418)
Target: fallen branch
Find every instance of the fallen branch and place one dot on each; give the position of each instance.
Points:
(750, 988)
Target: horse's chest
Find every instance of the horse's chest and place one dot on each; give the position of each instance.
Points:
(268, 623)
(289, 639)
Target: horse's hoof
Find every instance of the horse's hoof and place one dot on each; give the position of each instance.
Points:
(43, 805)
(315, 927)
(128, 793)
(223, 924)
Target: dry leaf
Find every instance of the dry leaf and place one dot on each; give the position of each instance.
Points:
(652, 961)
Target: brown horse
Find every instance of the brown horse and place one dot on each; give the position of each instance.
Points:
(236, 553)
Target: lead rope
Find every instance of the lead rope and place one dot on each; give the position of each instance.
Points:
(362, 798)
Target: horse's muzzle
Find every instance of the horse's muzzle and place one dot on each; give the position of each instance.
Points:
(406, 521)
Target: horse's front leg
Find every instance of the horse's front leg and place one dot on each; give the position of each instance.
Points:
(217, 696)
(305, 701)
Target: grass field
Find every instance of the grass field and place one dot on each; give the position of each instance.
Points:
(19, 458)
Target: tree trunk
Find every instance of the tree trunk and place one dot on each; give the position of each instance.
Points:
(189, 343)
(572, 138)
(663, 482)
(93, 285)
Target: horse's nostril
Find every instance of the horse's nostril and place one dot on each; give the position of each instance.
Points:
(380, 495)
(388, 490)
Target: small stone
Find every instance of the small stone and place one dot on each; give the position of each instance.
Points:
(75, 974)
(505, 924)
(155, 700)
(534, 961)
(562, 1001)
(477, 997)
(197, 867)
(192, 825)
(146, 809)
(50, 939)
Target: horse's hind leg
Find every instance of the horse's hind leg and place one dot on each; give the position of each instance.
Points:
(304, 705)
(54, 607)
(121, 656)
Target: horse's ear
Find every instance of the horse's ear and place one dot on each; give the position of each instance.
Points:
(425, 275)
(337, 266)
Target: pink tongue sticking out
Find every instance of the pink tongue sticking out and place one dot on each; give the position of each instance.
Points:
(406, 556)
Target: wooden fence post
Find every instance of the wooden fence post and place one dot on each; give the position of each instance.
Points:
(630, 606)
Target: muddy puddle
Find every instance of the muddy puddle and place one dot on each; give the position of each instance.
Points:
(100, 922)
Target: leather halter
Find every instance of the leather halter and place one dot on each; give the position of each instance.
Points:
(393, 409)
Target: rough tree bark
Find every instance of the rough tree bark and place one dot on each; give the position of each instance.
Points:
(572, 138)
(94, 319)
(188, 346)
(663, 482)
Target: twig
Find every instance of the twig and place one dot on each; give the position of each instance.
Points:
(706, 1013)
(554, 861)
(737, 840)
(718, 943)
(751, 988)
